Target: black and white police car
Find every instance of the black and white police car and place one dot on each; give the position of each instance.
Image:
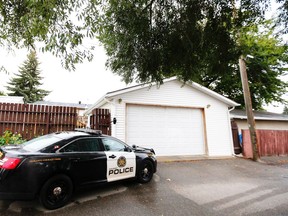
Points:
(52, 166)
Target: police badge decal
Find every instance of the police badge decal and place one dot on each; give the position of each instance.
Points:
(121, 161)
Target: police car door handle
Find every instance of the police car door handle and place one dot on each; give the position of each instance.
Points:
(112, 156)
(75, 159)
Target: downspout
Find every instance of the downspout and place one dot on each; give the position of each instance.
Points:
(230, 131)
(231, 109)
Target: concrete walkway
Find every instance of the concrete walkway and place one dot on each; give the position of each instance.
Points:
(276, 160)
(183, 158)
(271, 160)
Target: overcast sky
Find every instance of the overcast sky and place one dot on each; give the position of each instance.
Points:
(87, 83)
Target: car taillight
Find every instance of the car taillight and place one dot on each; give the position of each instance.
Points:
(9, 163)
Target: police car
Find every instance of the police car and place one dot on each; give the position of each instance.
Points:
(52, 166)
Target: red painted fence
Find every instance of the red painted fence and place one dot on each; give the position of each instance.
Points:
(33, 120)
(270, 143)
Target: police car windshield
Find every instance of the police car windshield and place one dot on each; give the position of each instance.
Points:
(41, 142)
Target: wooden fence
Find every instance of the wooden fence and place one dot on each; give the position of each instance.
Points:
(270, 143)
(101, 120)
(33, 120)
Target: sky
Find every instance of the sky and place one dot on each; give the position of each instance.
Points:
(89, 82)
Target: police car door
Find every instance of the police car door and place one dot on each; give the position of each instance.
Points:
(121, 161)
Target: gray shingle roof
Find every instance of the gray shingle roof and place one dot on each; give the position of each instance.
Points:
(258, 115)
(49, 103)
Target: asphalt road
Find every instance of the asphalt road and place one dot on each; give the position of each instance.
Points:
(204, 187)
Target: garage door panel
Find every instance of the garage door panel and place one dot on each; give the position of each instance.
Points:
(170, 131)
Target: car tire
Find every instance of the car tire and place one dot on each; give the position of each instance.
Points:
(56, 192)
(145, 172)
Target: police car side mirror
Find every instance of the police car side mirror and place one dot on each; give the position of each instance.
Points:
(127, 149)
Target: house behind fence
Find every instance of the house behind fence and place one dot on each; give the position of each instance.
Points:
(32, 120)
(271, 130)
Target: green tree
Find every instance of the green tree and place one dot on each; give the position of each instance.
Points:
(283, 14)
(195, 40)
(27, 82)
(2, 93)
(61, 26)
(265, 68)
(151, 40)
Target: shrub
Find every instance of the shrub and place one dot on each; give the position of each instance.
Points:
(10, 138)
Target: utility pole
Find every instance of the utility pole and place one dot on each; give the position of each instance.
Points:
(248, 106)
(247, 95)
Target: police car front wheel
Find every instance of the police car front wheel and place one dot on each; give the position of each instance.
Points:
(145, 173)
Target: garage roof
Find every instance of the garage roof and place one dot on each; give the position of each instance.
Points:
(197, 86)
(258, 115)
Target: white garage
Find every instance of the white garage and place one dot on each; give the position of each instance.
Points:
(173, 119)
(170, 130)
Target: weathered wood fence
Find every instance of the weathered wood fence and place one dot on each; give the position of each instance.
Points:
(101, 120)
(270, 143)
(33, 120)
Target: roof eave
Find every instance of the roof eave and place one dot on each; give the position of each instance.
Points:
(197, 86)
(259, 118)
(214, 94)
(99, 103)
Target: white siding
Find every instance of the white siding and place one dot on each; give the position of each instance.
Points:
(173, 93)
(263, 125)
(219, 135)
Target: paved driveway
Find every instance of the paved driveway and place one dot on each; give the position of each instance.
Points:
(202, 187)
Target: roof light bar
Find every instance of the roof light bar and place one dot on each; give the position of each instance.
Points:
(88, 130)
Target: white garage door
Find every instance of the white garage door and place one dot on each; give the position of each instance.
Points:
(169, 130)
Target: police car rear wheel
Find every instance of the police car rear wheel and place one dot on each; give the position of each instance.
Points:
(56, 192)
(146, 172)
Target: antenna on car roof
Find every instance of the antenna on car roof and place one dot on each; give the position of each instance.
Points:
(88, 130)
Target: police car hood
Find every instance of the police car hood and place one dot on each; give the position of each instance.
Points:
(142, 149)
(14, 150)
